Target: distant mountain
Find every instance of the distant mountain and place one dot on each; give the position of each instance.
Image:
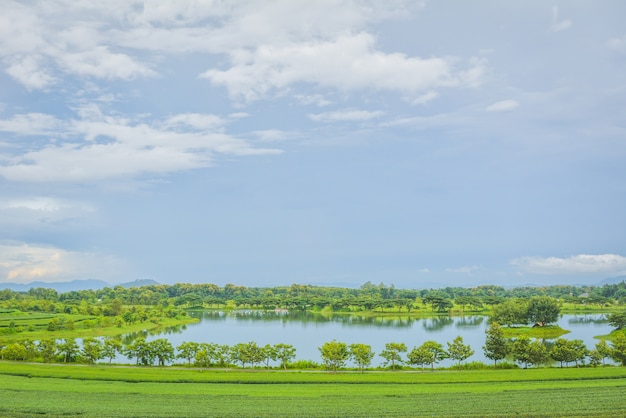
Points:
(60, 287)
(139, 283)
(612, 280)
(74, 285)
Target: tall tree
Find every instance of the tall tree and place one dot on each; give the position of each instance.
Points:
(92, 350)
(334, 354)
(543, 310)
(285, 353)
(496, 346)
(68, 349)
(459, 351)
(110, 348)
(361, 354)
(618, 352)
(393, 353)
(188, 350)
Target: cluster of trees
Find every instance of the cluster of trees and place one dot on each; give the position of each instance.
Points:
(538, 310)
(369, 297)
(334, 354)
(535, 352)
(147, 353)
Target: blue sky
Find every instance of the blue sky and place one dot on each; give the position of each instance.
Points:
(265, 143)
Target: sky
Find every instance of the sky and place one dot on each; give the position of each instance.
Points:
(327, 142)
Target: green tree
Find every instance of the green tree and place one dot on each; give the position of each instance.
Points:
(285, 353)
(603, 350)
(458, 351)
(617, 320)
(420, 356)
(15, 351)
(393, 353)
(68, 349)
(510, 312)
(543, 310)
(567, 351)
(334, 354)
(618, 353)
(496, 346)
(111, 347)
(92, 350)
(521, 350)
(205, 355)
(361, 354)
(537, 353)
(437, 352)
(47, 349)
(269, 354)
(188, 350)
(162, 350)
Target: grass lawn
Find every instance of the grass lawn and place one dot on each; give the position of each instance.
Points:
(62, 390)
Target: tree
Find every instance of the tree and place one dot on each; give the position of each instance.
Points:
(361, 354)
(603, 350)
(521, 350)
(459, 351)
(47, 349)
(15, 351)
(92, 350)
(543, 310)
(269, 354)
(162, 350)
(537, 353)
(110, 348)
(496, 346)
(188, 350)
(436, 352)
(420, 356)
(205, 354)
(510, 312)
(68, 349)
(618, 353)
(392, 353)
(334, 354)
(285, 353)
(617, 320)
(567, 351)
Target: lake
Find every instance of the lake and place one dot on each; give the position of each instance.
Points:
(307, 331)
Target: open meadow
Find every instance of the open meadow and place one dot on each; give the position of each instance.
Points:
(89, 391)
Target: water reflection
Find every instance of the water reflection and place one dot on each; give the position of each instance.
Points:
(437, 323)
(307, 331)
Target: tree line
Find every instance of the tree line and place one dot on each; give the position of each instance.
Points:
(368, 297)
(334, 354)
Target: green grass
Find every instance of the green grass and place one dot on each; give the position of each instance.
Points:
(55, 390)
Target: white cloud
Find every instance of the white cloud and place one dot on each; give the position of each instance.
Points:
(104, 146)
(559, 25)
(576, 264)
(349, 115)
(347, 63)
(502, 106)
(30, 72)
(23, 263)
(31, 124)
(99, 62)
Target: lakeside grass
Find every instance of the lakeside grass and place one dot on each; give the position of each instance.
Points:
(64, 390)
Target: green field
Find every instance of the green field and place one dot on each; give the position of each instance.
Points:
(61, 390)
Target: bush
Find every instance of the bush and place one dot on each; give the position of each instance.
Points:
(506, 365)
(304, 364)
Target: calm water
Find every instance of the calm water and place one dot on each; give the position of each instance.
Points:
(308, 331)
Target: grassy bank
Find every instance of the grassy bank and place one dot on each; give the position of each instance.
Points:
(53, 390)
